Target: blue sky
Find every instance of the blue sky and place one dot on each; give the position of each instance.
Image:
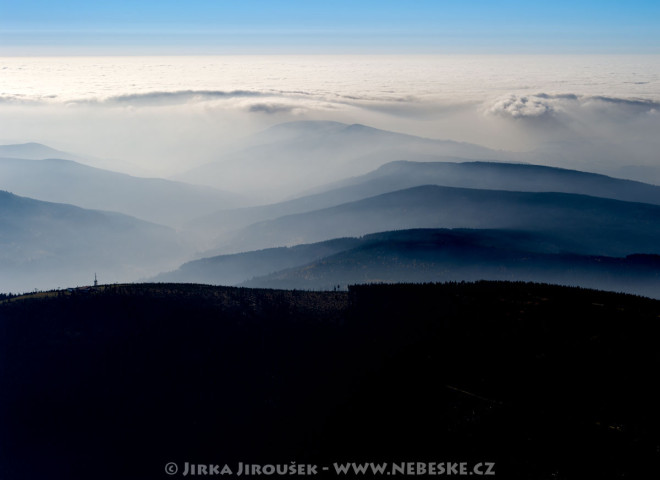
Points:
(259, 26)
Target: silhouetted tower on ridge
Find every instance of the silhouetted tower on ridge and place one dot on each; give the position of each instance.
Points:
(96, 282)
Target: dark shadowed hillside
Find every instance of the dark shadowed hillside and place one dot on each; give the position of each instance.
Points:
(441, 255)
(424, 255)
(546, 382)
(237, 268)
(584, 224)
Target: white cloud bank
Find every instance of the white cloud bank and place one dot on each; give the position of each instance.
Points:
(164, 115)
(547, 105)
(516, 106)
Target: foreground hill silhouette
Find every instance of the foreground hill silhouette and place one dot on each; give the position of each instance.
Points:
(545, 381)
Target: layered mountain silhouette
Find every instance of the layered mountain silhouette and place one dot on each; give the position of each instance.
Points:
(34, 151)
(583, 224)
(350, 182)
(45, 245)
(441, 256)
(425, 255)
(404, 174)
(237, 268)
(289, 158)
(501, 176)
(152, 199)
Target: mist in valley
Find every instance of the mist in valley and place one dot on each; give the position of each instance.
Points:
(204, 157)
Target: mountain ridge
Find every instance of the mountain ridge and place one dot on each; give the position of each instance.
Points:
(151, 199)
(308, 155)
(34, 151)
(424, 255)
(46, 244)
(592, 225)
(404, 174)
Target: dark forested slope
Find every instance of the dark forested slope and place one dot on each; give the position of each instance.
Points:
(547, 382)
(437, 255)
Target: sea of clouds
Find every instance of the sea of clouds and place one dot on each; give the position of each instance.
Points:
(164, 115)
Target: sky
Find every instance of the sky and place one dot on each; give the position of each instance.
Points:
(146, 27)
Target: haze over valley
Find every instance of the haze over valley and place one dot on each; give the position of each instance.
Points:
(296, 184)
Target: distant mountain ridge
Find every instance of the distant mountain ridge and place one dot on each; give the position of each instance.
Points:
(404, 174)
(424, 255)
(519, 177)
(289, 159)
(563, 212)
(237, 268)
(34, 151)
(584, 224)
(44, 245)
(152, 199)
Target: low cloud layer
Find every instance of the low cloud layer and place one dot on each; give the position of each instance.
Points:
(177, 97)
(271, 108)
(163, 116)
(519, 106)
(548, 105)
